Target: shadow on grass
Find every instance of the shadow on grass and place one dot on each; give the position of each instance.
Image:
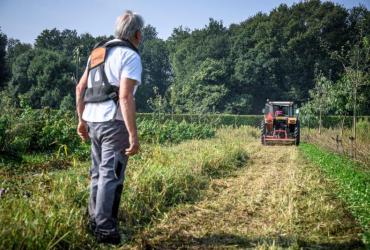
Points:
(222, 241)
(16, 164)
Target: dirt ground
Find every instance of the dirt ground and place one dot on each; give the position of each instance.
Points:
(278, 200)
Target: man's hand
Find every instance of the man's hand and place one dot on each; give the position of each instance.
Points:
(82, 130)
(127, 104)
(134, 146)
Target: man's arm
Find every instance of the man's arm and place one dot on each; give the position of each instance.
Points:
(80, 106)
(127, 104)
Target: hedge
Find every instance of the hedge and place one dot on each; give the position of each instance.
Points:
(216, 120)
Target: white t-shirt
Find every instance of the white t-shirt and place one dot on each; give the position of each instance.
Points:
(120, 62)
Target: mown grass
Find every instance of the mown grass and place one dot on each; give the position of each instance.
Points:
(353, 184)
(46, 209)
(280, 201)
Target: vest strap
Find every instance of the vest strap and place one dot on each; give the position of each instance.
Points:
(101, 89)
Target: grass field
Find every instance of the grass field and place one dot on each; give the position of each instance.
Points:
(225, 192)
(45, 207)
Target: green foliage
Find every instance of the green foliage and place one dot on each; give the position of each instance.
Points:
(156, 70)
(46, 130)
(363, 129)
(3, 66)
(59, 128)
(67, 103)
(350, 93)
(21, 132)
(200, 69)
(170, 131)
(43, 76)
(29, 130)
(215, 120)
(3, 126)
(320, 103)
(271, 56)
(352, 182)
(14, 49)
(215, 69)
(329, 121)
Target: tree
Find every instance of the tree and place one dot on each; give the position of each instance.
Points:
(68, 103)
(320, 97)
(341, 100)
(275, 55)
(20, 82)
(16, 48)
(199, 67)
(308, 114)
(156, 68)
(49, 39)
(43, 76)
(3, 68)
(217, 68)
(356, 64)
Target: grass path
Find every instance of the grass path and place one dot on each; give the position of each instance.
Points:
(277, 200)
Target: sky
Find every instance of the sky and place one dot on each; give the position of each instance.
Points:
(26, 19)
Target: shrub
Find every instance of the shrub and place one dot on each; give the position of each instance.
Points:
(59, 129)
(23, 131)
(171, 131)
(363, 130)
(4, 125)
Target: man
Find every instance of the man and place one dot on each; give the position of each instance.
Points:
(108, 119)
(279, 111)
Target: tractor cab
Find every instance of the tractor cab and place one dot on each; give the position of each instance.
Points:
(280, 109)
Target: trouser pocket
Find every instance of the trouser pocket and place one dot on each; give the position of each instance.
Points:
(119, 164)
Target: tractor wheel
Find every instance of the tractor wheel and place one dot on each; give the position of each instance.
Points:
(263, 132)
(297, 134)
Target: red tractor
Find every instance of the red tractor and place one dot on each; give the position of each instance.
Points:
(280, 124)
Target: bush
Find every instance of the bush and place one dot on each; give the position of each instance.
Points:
(171, 131)
(22, 131)
(363, 130)
(214, 120)
(332, 121)
(59, 129)
(46, 130)
(30, 130)
(4, 125)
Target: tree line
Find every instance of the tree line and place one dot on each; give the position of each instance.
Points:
(281, 55)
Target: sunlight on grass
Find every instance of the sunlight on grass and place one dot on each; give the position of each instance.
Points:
(46, 209)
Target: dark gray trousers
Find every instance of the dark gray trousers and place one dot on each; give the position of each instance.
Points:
(108, 142)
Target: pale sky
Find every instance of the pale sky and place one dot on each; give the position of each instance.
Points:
(25, 19)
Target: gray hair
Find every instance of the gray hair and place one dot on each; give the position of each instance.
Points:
(128, 24)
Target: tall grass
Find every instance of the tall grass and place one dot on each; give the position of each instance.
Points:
(352, 181)
(339, 141)
(46, 210)
(170, 131)
(28, 131)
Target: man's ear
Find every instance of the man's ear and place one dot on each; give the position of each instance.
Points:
(138, 35)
